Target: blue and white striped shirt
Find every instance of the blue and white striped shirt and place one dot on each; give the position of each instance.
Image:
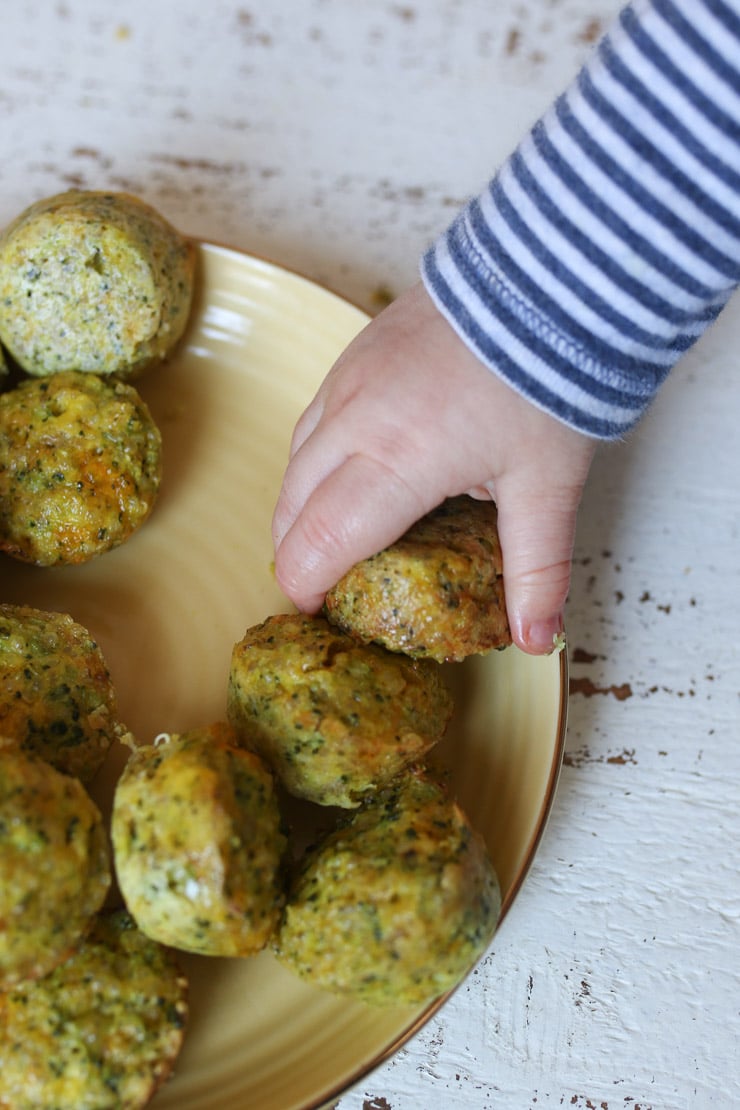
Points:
(610, 239)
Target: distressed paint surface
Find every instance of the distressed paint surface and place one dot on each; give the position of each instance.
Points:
(337, 139)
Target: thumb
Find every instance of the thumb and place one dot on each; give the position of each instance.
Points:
(537, 530)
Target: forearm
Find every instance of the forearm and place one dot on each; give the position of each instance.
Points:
(611, 238)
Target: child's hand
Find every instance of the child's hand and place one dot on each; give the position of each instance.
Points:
(406, 417)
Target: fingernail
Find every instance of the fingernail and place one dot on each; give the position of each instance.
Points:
(543, 637)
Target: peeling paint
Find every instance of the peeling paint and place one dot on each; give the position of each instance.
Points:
(580, 655)
(588, 688)
(584, 756)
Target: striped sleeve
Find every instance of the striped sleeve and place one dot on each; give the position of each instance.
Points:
(610, 238)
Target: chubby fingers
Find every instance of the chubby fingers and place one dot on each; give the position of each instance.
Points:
(349, 513)
(537, 548)
(537, 523)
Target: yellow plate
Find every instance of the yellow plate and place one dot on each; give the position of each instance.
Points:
(167, 608)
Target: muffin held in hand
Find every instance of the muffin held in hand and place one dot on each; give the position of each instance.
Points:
(103, 1030)
(334, 718)
(54, 866)
(80, 467)
(56, 695)
(198, 845)
(93, 281)
(437, 593)
(395, 907)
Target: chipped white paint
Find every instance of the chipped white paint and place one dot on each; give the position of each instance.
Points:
(337, 138)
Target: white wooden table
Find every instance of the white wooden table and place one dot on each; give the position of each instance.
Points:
(338, 138)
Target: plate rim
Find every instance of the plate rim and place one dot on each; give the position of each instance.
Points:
(329, 1088)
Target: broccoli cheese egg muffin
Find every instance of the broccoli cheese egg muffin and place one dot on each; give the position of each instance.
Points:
(198, 844)
(56, 695)
(80, 467)
(395, 907)
(334, 718)
(438, 592)
(54, 865)
(102, 1031)
(93, 281)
